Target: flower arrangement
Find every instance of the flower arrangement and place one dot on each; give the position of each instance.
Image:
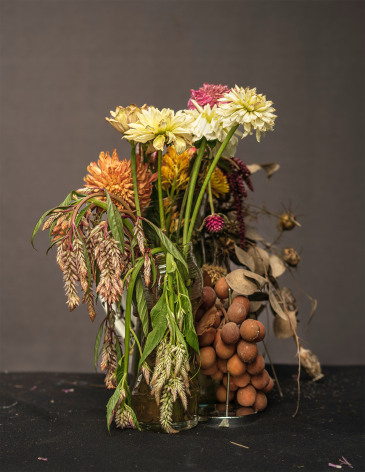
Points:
(182, 186)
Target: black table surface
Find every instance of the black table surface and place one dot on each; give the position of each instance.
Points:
(61, 418)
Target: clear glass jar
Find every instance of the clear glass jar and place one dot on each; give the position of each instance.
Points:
(143, 402)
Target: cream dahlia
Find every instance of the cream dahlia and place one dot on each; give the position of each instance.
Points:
(248, 108)
(116, 177)
(161, 127)
(123, 117)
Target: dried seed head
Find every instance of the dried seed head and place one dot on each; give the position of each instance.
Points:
(287, 221)
(291, 257)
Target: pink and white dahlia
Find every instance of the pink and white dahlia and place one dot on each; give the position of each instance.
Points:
(207, 95)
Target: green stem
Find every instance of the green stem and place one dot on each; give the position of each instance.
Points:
(210, 197)
(172, 201)
(134, 175)
(206, 181)
(182, 209)
(159, 189)
(191, 188)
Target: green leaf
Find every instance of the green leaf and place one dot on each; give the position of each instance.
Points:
(141, 305)
(97, 344)
(118, 348)
(154, 271)
(81, 214)
(135, 419)
(39, 224)
(120, 370)
(115, 222)
(112, 403)
(55, 242)
(169, 245)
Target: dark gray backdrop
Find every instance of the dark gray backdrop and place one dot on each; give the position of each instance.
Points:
(65, 64)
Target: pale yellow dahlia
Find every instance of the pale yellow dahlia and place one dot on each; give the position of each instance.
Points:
(248, 108)
(116, 177)
(219, 183)
(206, 123)
(161, 127)
(175, 168)
(123, 117)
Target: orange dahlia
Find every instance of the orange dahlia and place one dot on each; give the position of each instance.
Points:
(116, 177)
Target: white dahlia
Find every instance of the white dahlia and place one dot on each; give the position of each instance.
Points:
(161, 127)
(248, 108)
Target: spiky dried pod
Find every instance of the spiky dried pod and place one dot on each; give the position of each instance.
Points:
(166, 408)
(138, 232)
(66, 259)
(146, 372)
(124, 417)
(177, 388)
(88, 298)
(147, 270)
(81, 264)
(48, 223)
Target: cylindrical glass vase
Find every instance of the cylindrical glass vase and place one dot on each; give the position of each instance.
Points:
(143, 401)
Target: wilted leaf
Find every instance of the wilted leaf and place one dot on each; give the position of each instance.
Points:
(284, 329)
(314, 304)
(274, 303)
(252, 275)
(277, 265)
(270, 168)
(261, 258)
(252, 234)
(244, 258)
(238, 282)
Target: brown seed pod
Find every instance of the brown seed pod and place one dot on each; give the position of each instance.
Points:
(222, 365)
(208, 297)
(291, 256)
(262, 331)
(260, 402)
(199, 314)
(208, 357)
(257, 366)
(244, 411)
(206, 321)
(242, 380)
(287, 221)
(243, 301)
(222, 288)
(269, 386)
(225, 351)
(235, 366)
(212, 370)
(218, 318)
(230, 333)
(261, 380)
(249, 330)
(232, 386)
(236, 313)
(218, 375)
(247, 352)
(207, 338)
(221, 394)
(246, 396)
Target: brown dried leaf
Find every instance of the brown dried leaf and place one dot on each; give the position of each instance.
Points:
(310, 363)
(252, 275)
(261, 258)
(238, 282)
(277, 265)
(207, 320)
(244, 258)
(270, 168)
(284, 329)
(252, 234)
(274, 303)
(314, 304)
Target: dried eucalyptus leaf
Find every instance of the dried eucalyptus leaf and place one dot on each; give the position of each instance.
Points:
(261, 258)
(244, 258)
(254, 235)
(277, 265)
(255, 306)
(252, 275)
(239, 283)
(274, 303)
(270, 168)
(314, 304)
(284, 329)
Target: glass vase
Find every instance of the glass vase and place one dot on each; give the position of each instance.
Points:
(143, 401)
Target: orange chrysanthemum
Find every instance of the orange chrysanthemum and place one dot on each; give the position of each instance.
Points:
(116, 177)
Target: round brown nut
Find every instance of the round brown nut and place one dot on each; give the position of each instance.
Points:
(217, 338)
(212, 370)
(235, 366)
(232, 386)
(260, 381)
(207, 338)
(257, 366)
(208, 297)
(249, 330)
(242, 380)
(222, 288)
(244, 410)
(221, 394)
(230, 333)
(208, 357)
(218, 318)
(243, 301)
(225, 351)
(237, 313)
(246, 396)
(247, 352)
(260, 402)
(269, 386)
(262, 331)
(222, 365)
(218, 375)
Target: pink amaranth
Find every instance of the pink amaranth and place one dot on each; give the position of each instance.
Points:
(214, 223)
